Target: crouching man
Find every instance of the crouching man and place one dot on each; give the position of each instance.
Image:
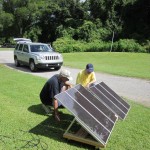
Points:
(55, 85)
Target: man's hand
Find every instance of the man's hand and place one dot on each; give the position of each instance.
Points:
(69, 85)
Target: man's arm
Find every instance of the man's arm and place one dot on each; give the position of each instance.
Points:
(56, 114)
(93, 79)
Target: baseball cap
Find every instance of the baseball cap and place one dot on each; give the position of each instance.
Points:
(89, 68)
(65, 73)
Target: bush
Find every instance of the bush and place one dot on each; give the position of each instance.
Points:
(146, 45)
(98, 46)
(2, 41)
(127, 45)
(68, 45)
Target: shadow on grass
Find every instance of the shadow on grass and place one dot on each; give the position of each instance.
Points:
(53, 129)
(37, 109)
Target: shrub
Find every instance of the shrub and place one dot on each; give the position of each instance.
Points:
(127, 45)
(2, 41)
(98, 46)
(68, 45)
(146, 45)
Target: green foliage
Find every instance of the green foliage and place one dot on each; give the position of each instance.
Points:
(64, 32)
(103, 34)
(97, 46)
(98, 9)
(86, 31)
(87, 21)
(2, 41)
(6, 20)
(90, 32)
(128, 45)
(9, 40)
(68, 45)
(146, 45)
(33, 33)
(136, 19)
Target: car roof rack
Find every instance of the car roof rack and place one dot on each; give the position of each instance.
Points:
(18, 40)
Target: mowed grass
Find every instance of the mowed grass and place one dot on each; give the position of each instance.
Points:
(123, 64)
(24, 125)
(6, 49)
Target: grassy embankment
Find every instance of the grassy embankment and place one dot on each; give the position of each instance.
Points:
(23, 124)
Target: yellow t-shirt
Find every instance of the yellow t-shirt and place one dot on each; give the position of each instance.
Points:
(84, 78)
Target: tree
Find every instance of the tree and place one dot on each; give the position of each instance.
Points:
(6, 23)
(25, 14)
(98, 9)
(136, 18)
(60, 12)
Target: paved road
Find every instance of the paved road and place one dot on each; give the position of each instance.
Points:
(137, 90)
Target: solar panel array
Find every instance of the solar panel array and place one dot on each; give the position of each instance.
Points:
(92, 114)
(111, 99)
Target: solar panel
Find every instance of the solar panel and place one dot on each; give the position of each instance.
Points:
(111, 99)
(94, 116)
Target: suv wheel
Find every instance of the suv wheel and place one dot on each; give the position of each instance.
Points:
(17, 64)
(32, 66)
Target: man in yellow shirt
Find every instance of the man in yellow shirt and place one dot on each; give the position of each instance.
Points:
(87, 76)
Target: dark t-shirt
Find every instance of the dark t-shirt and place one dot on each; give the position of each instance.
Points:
(51, 88)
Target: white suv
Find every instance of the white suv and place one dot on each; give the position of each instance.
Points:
(37, 55)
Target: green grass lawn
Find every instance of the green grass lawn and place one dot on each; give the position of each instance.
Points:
(123, 64)
(6, 49)
(23, 124)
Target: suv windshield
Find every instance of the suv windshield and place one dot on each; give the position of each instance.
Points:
(40, 48)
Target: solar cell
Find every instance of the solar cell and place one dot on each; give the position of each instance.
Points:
(111, 99)
(115, 95)
(87, 111)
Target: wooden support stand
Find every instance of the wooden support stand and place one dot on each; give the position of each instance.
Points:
(81, 136)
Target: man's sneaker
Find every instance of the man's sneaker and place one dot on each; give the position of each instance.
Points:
(47, 109)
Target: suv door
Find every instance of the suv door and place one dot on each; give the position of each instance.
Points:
(19, 52)
(25, 56)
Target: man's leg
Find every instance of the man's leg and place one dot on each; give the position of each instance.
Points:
(56, 114)
(46, 105)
